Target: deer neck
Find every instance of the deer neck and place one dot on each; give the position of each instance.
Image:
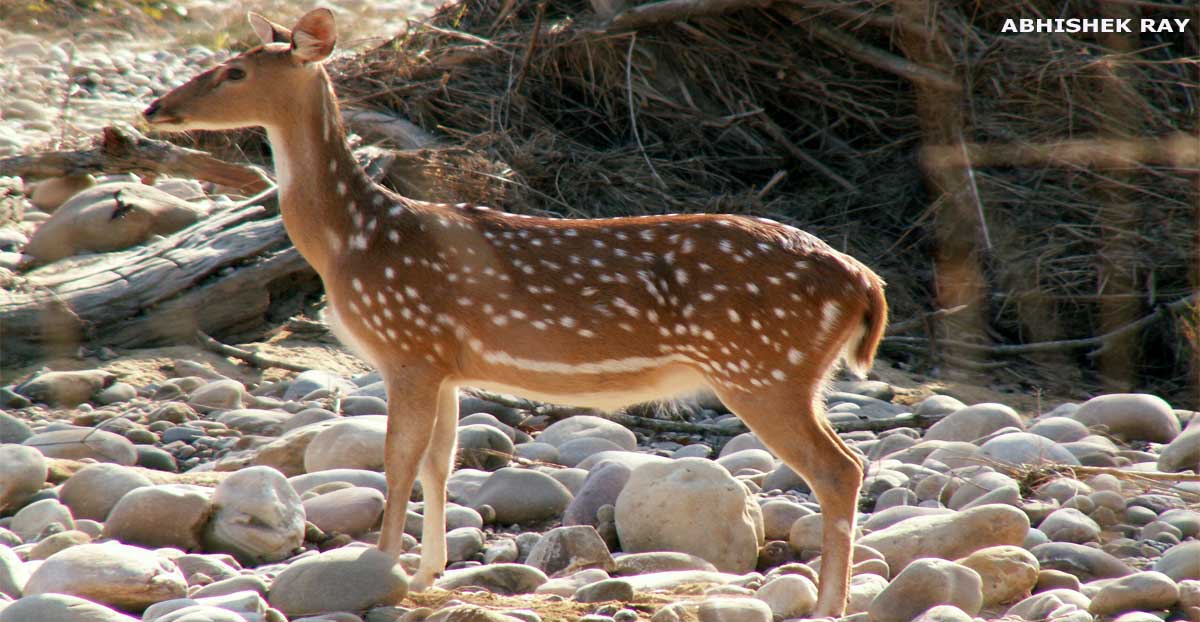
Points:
(320, 183)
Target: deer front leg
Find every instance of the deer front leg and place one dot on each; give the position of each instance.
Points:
(435, 469)
(412, 412)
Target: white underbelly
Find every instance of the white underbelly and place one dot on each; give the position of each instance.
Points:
(347, 336)
(675, 382)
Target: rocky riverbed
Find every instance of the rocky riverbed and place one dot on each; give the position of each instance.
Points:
(179, 486)
(202, 497)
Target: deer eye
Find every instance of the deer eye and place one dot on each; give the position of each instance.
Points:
(235, 73)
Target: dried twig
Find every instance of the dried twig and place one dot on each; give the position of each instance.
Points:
(253, 358)
(922, 320)
(872, 55)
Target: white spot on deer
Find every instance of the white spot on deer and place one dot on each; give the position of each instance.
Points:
(726, 246)
(681, 276)
(357, 284)
(734, 316)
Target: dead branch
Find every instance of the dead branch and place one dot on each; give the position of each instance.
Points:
(871, 55)
(253, 358)
(853, 18)
(1099, 342)
(922, 320)
(778, 135)
(127, 151)
(667, 11)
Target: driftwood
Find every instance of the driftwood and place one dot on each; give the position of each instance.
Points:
(127, 151)
(219, 275)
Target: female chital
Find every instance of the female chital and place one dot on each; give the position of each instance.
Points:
(599, 313)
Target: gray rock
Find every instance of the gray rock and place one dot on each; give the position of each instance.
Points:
(571, 478)
(1084, 562)
(1181, 561)
(255, 421)
(565, 550)
(356, 405)
(32, 520)
(464, 484)
(587, 426)
(83, 443)
(483, 447)
(66, 389)
(505, 579)
(741, 442)
(576, 450)
(537, 452)
(13, 430)
(788, 596)
(1041, 605)
(1183, 453)
(601, 488)
(692, 506)
(306, 417)
(938, 405)
(1070, 525)
(286, 453)
(223, 394)
(13, 574)
(354, 477)
(925, 583)
(315, 379)
(943, 613)
(502, 551)
(352, 443)
(948, 536)
(161, 516)
(94, 490)
(257, 516)
(1008, 573)
(1131, 416)
(522, 496)
(1142, 591)
(22, 472)
(604, 591)
(655, 562)
(464, 543)
(630, 459)
(756, 459)
(1026, 448)
(352, 511)
(117, 393)
(715, 610)
(973, 422)
(60, 608)
(201, 613)
(779, 515)
(345, 579)
(1059, 429)
(124, 577)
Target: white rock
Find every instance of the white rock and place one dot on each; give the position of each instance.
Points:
(93, 490)
(34, 518)
(584, 426)
(59, 608)
(258, 517)
(1131, 416)
(1143, 591)
(690, 505)
(925, 583)
(973, 422)
(161, 516)
(84, 443)
(124, 577)
(948, 536)
(353, 443)
(22, 473)
(789, 596)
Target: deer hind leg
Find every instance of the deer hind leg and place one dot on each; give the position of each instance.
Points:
(789, 419)
(435, 469)
(412, 411)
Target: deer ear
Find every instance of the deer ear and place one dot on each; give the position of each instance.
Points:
(314, 36)
(268, 31)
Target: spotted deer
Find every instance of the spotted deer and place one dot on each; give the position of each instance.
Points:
(599, 313)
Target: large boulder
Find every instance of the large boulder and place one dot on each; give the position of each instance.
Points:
(125, 577)
(346, 579)
(258, 517)
(22, 473)
(690, 505)
(1131, 416)
(948, 536)
(587, 426)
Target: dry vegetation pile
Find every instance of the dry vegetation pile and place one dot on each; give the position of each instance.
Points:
(821, 114)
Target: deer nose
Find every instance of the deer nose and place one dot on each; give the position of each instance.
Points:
(152, 109)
